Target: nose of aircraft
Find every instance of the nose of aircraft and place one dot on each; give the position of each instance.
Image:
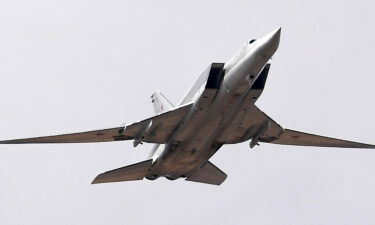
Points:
(270, 42)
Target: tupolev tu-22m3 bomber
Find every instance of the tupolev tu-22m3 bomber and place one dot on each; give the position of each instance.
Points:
(219, 109)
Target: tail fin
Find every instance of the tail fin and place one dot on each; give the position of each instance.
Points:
(160, 102)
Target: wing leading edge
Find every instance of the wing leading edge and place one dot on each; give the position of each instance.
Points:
(156, 129)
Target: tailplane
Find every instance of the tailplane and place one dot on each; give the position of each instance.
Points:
(132, 172)
(160, 102)
(208, 174)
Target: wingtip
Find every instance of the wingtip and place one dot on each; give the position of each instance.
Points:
(365, 146)
(94, 181)
(97, 179)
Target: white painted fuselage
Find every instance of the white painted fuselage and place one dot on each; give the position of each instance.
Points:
(202, 132)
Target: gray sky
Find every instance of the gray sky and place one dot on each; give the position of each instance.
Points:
(75, 65)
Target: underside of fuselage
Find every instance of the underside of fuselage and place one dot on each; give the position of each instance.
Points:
(218, 98)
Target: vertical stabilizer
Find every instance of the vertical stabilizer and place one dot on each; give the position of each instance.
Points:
(160, 102)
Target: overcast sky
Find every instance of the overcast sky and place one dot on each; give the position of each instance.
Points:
(73, 65)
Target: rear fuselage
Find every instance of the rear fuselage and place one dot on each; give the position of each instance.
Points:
(201, 134)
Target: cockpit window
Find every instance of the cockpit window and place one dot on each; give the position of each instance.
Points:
(252, 41)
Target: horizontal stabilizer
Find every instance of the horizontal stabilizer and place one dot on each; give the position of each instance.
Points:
(208, 174)
(291, 137)
(132, 172)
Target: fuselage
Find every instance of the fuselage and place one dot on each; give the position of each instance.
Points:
(201, 133)
(219, 109)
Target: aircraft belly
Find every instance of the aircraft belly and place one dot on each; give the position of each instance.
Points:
(199, 137)
(189, 154)
(235, 129)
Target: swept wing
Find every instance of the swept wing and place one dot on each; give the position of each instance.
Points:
(256, 125)
(156, 129)
(292, 137)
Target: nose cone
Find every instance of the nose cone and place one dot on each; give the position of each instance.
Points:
(270, 42)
